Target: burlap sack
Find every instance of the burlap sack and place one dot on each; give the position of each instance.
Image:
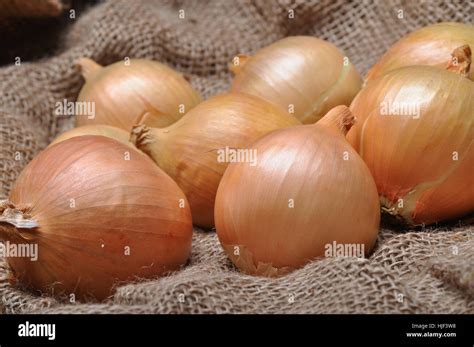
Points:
(411, 271)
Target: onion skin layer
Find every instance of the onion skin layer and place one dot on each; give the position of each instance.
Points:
(118, 203)
(143, 92)
(412, 159)
(188, 149)
(302, 71)
(431, 45)
(100, 130)
(334, 200)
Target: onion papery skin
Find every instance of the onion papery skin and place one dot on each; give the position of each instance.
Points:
(117, 134)
(188, 150)
(117, 203)
(144, 91)
(431, 45)
(302, 71)
(333, 200)
(412, 158)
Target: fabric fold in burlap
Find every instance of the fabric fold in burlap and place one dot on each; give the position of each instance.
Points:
(423, 271)
(455, 266)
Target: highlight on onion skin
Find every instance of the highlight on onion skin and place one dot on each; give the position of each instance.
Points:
(308, 189)
(189, 150)
(304, 75)
(137, 91)
(100, 130)
(415, 132)
(431, 45)
(100, 213)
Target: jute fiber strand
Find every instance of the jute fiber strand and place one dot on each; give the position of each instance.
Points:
(427, 270)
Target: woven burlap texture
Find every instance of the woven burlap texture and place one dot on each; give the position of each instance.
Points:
(411, 271)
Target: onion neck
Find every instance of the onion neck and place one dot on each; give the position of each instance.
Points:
(461, 61)
(242, 59)
(339, 120)
(144, 138)
(14, 219)
(88, 68)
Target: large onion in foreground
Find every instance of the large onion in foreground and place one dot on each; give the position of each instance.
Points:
(415, 131)
(100, 213)
(309, 190)
(304, 75)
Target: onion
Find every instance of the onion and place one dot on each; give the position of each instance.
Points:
(101, 130)
(304, 75)
(415, 132)
(190, 149)
(308, 190)
(143, 91)
(431, 45)
(100, 213)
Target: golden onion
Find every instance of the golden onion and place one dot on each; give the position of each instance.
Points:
(415, 131)
(193, 150)
(308, 191)
(304, 75)
(431, 45)
(137, 91)
(100, 214)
